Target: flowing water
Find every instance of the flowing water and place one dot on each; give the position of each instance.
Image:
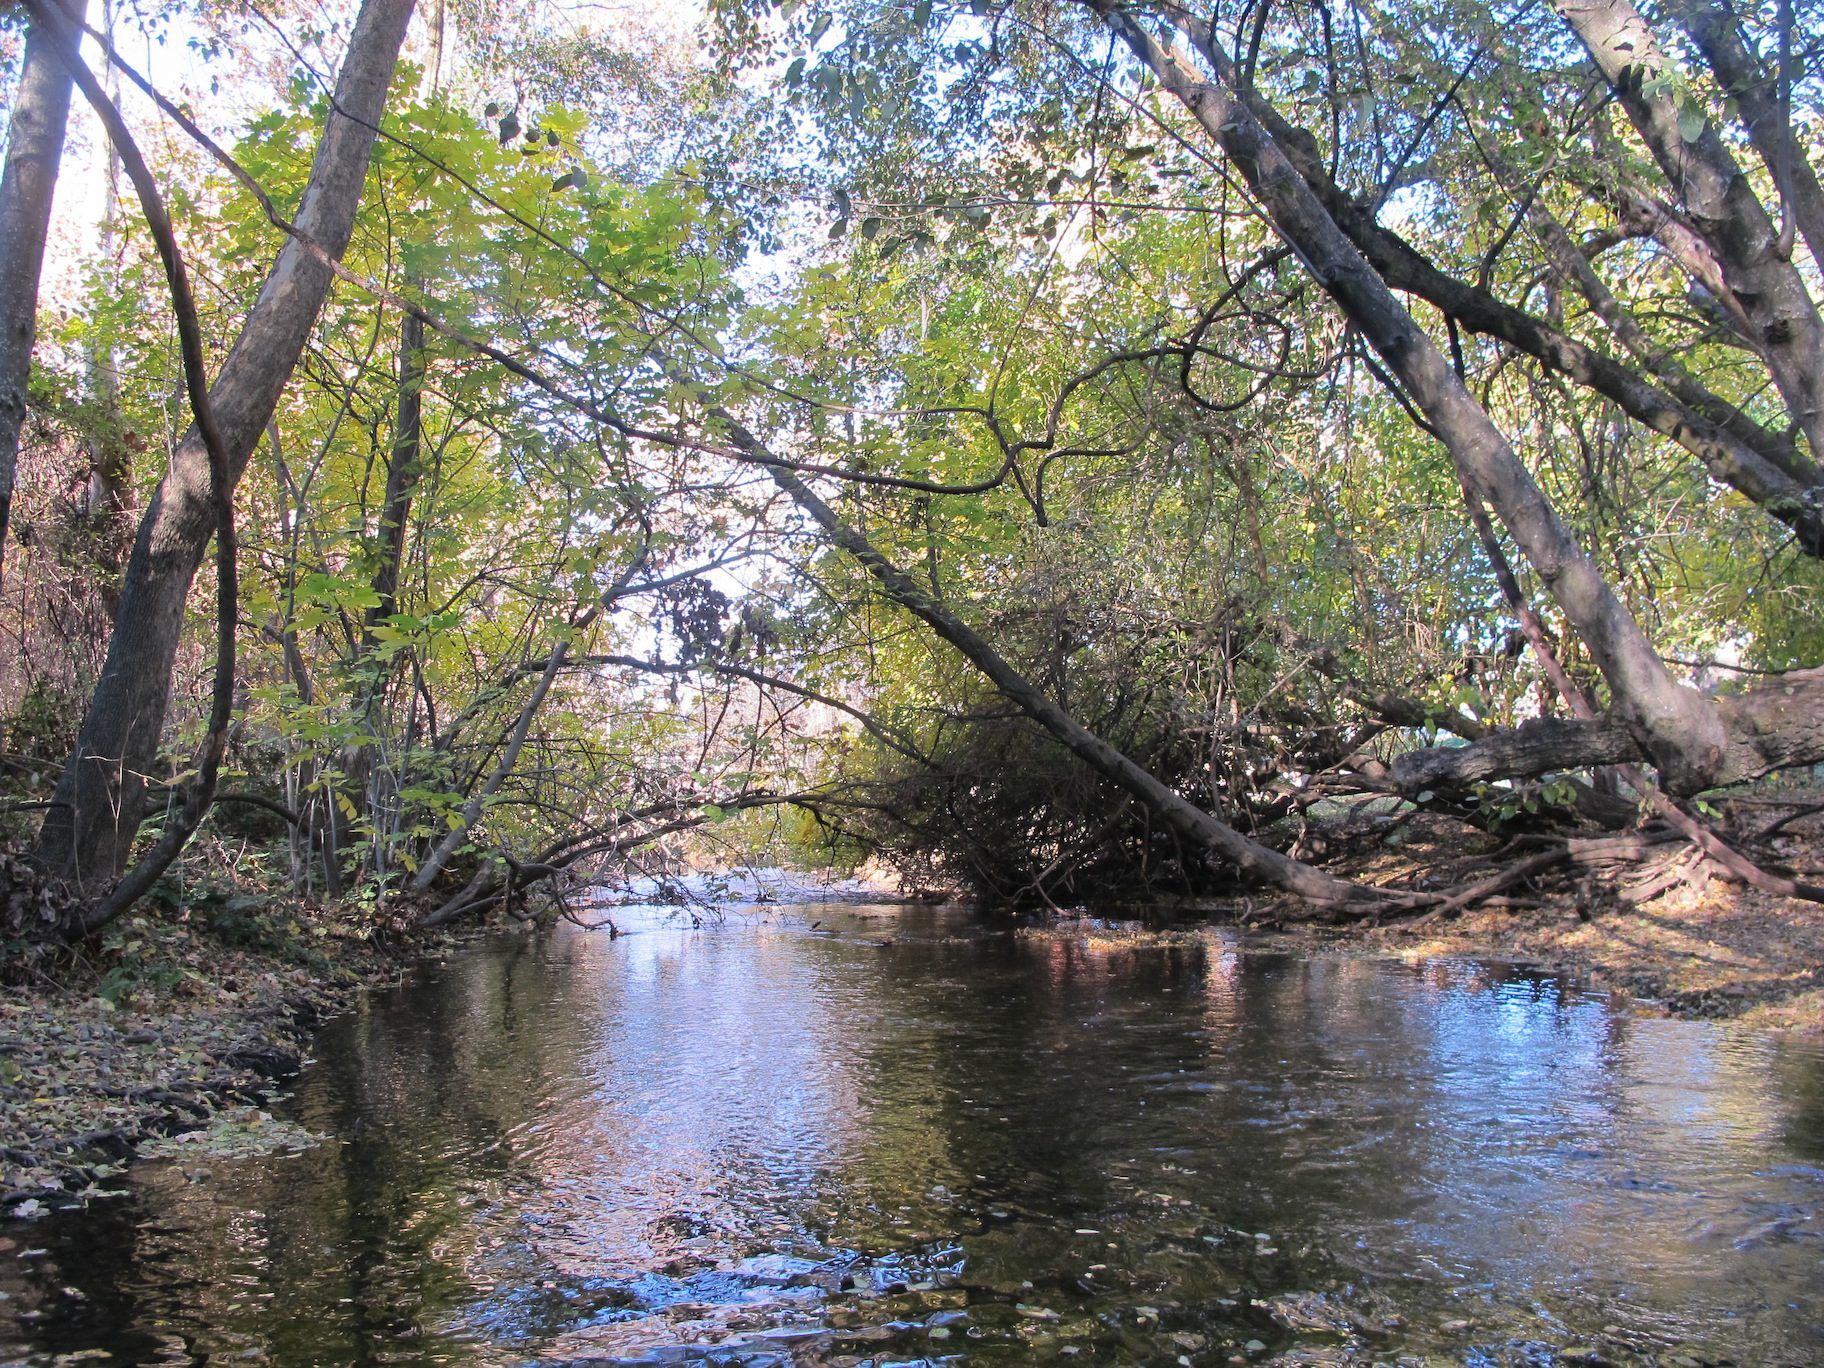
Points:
(870, 1136)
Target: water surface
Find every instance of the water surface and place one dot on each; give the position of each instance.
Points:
(846, 1135)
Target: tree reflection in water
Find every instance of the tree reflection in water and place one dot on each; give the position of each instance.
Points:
(773, 1144)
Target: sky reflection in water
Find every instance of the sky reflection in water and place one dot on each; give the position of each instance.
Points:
(757, 1142)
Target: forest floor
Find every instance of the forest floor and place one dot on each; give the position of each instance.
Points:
(166, 1025)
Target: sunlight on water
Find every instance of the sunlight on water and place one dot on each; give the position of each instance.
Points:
(899, 1137)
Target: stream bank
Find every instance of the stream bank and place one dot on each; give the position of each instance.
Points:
(160, 1028)
(1698, 946)
(186, 1023)
(1683, 939)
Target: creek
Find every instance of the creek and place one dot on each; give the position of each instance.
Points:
(849, 1134)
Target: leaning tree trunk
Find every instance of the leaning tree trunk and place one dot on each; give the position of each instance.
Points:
(96, 810)
(1759, 459)
(1678, 728)
(41, 111)
(1719, 201)
(1195, 827)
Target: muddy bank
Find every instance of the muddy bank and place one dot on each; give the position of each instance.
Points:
(158, 1029)
(1676, 934)
(1719, 952)
(1718, 957)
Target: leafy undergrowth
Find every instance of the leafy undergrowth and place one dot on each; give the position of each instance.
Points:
(174, 1020)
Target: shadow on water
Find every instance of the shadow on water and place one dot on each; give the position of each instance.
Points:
(898, 1138)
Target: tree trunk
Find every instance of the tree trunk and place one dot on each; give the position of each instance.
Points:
(1791, 490)
(1756, 93)
(1677, 727)
(89, 831)
(34, 149)
(1190, 823)
(360, 778)
(1720, 203)
(402, 472)
(110, 444)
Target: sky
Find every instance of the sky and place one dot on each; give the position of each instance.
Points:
(224, 91)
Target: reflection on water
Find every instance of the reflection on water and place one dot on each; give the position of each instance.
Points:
(891, 1139)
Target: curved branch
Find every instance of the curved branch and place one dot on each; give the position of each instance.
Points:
(199, 793)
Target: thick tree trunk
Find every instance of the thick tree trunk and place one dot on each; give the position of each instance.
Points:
(1756, 93)
(197, 794)
(34, 149)
(1720, 203)
(89, 831)
(1772, 727)
(1677, 727)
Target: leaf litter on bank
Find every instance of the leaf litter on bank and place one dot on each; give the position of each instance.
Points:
(171, 1030)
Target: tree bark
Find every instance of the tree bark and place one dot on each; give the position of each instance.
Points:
(197, 794)
(1720, 203)
(1542, 746)
(1677, 727)
(1755, 93)
(110, 443)
(89, 831)
(361, 779)
(402, 472)
(1772, 727)
(28, 185)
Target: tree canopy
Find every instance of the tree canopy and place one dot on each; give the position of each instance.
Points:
(1058, 446)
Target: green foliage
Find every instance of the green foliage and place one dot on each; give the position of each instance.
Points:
(966, 256)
